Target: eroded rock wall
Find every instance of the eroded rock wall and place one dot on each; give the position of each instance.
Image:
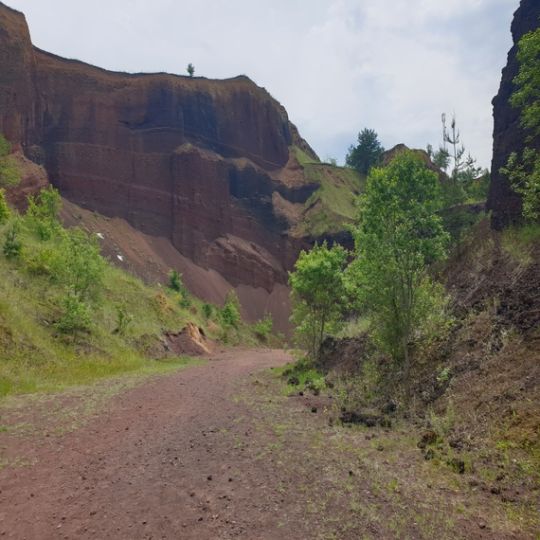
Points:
(508, 136)
(193, 160)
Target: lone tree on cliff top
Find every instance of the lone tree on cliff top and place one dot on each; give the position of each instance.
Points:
(191, 69)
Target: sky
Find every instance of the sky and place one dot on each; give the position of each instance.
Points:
(337, 66)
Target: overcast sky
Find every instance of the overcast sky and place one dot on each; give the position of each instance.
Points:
(336, 65)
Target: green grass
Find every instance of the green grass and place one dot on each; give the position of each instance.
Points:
(518, 242)
(36, 357)
(308, 377)
(332, 206)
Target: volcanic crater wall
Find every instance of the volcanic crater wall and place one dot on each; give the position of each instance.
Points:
(194, 160)
(508, 136)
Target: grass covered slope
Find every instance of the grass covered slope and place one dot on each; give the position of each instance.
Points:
(332, 206)
(68, 317)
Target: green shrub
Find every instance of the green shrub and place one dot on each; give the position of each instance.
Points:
(43, 212)
(185, 301)
(176, 284)
(263, 328)
(207, 310)
(5, 212)
(5, 147)
(230, 313)
(175, 281)
(42, 262)
(75, 317)
(123, 320)
(78, 263)
(12, 245)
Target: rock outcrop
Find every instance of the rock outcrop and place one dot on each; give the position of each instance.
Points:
(200, 162)
(508, 136)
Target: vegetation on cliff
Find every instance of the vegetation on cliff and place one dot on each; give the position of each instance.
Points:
(69, 317)
(331, 208)
(399, 236)
(524, 171)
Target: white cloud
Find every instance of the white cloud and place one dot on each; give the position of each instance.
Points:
(336, 65)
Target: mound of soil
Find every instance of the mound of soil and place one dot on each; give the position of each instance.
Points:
(190, 341)
(344, 356)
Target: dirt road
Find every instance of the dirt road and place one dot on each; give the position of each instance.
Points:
(156, 464)
(217, 451)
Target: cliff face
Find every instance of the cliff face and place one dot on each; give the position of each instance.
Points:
(508, 136)
(198, 161)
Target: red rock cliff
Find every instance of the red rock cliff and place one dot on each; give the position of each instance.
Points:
(195, 160)
(508, 136)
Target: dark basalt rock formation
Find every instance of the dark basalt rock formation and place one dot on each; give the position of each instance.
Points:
(508, 136)
(194, 160)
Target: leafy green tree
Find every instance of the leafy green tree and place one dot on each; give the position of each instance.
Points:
(5, 212)
(367, 153)
(398, 236)
(191, 69)
(318, 294)
(524, 171)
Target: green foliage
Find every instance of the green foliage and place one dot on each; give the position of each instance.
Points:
(524, 175)
(207, 310)
(332, 206)
(367, 153)
(519, 242)
(318, 294)
(263, 328)
(43, 213)
(78, 264)
(466, 180)
(5, 147)
(12, 245)
(191, 69)
(301, 375)
(9, 172)
(398, 236)
(176, 284)
(5, 212)
(230, 312)
(175, 281)
(527, 95)
(123, 320)
(75, 317)
(524, 171)
(440, 158)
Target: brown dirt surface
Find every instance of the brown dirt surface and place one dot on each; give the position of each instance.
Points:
(217, 451)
